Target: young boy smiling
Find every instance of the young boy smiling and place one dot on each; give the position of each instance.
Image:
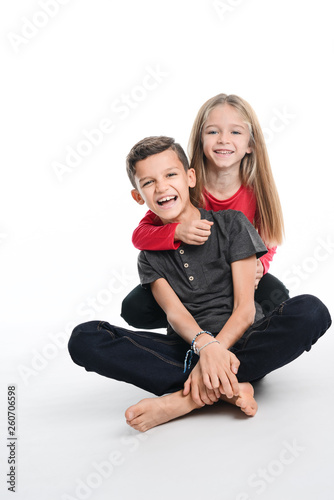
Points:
(218, 340)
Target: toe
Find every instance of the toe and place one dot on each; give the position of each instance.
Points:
(132, 412)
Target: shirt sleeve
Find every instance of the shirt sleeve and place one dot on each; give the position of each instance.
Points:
(151, 234)
(147, 273)
(244, 239)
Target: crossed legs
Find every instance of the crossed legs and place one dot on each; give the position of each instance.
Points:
(154, 362)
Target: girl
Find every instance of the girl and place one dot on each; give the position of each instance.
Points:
(228, 152)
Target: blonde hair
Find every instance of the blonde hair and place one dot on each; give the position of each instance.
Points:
(255, 169)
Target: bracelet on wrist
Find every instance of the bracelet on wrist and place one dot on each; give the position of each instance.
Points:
(211, 342)
(193, 349)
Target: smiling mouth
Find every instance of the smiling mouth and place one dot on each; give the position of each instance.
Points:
(164, 201)
(223, 152)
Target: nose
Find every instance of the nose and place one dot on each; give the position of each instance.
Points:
(161, 185)
(223, 137)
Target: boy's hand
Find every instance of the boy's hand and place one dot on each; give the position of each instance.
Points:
(200, 394)
(259, 272)
(214, 374)
(195, 232)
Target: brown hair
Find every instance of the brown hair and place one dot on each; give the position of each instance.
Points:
(255, 169)
(151, 146)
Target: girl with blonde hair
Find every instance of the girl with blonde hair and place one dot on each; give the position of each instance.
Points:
(229, 155)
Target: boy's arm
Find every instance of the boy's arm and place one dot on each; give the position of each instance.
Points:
(214, 359)
(151, 234)
(186, 326)
(178, 316)
(243, 272)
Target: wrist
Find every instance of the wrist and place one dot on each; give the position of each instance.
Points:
(194, 348)
(225, 340)
(176, 232)
(203, 339)
(205, 346)
(223, 344)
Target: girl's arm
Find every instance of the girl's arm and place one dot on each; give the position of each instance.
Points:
(262, 265)
(267, 258)
(151, 234)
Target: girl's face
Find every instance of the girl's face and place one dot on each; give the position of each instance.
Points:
(225, 138)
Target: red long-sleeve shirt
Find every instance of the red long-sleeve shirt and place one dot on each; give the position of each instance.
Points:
(151, 234)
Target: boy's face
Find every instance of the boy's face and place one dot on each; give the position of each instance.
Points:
(163, 184)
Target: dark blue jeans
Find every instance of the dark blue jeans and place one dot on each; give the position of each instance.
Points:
(154, 362)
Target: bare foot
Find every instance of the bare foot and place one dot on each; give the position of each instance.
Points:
(245, 401)
(151, 412)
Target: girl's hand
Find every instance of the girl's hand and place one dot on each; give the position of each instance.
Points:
(214, 374)
(259, 272)
(195, 232)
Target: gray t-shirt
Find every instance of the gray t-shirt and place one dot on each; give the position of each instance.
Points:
(201, 274)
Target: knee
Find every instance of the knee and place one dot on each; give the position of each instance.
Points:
(129, 309)
(74, 343)
(315, 312)
(78, 341)
(270, 293)
(134, 306)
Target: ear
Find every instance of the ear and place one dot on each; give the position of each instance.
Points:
(137, 197)
(249, 150)
(191, 177)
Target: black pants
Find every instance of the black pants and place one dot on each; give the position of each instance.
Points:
(139, 308)
(154, 362)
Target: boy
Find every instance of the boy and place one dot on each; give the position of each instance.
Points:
(211, 287)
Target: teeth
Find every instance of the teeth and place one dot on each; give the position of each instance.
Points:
(224, 152)
(168, 198)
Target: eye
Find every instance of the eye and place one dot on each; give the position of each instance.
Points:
(212, 132)
(235, 132)
(171, 174)
(147, 183)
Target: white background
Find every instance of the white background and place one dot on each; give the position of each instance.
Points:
(65, 237)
